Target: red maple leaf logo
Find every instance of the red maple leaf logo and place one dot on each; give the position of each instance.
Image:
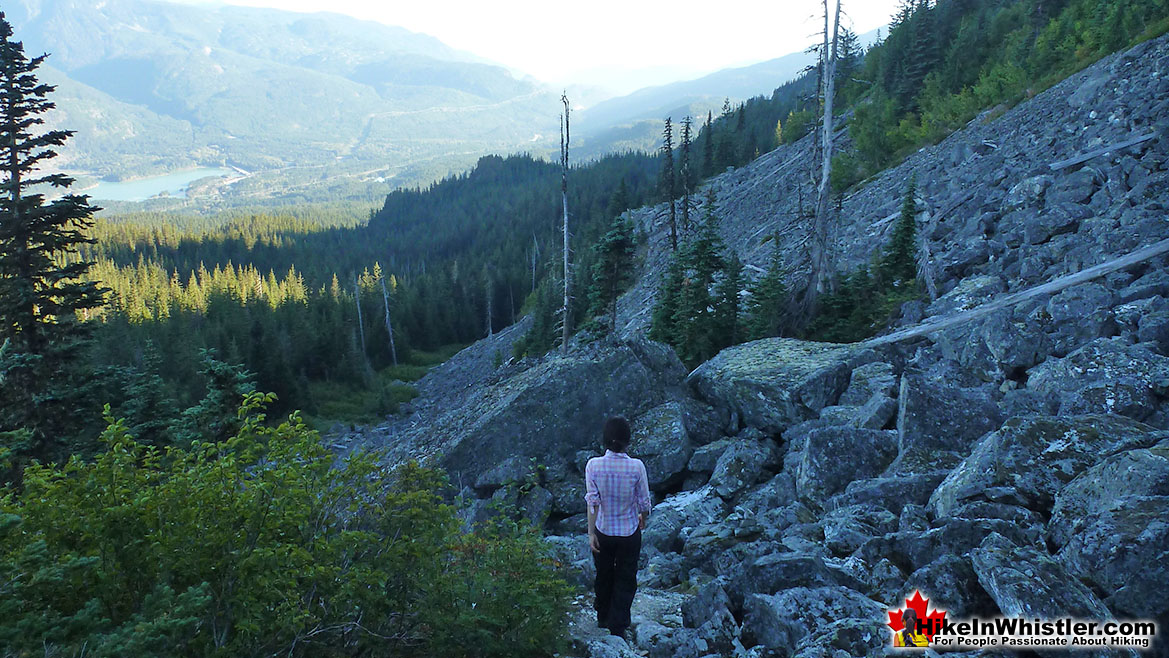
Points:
(931, 622)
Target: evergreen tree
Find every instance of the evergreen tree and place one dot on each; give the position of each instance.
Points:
(668, 182)
(708, 146)
(695, 327)
(724, 155)
(687, 174)
(44, 384)
(900, 262)
(768, 297)
(728, 330)
(612, 270)
(922, 55)
(619, 202)
(214, 419)
(542, 334)
(148, 407)
(662, 327)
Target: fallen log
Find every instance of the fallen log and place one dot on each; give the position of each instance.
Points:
(1084, 157)
(1006, 301)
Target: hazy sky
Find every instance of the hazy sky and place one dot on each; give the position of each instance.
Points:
(618, 43)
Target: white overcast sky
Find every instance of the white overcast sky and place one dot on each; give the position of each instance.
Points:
(608, 42)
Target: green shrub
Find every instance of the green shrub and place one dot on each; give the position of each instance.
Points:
(261, 544)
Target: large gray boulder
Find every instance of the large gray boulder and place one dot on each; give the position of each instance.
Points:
(1036, 456)
(868, 380)
(848, 528)
(956, 585)
(914, 548)
(661, 439)
(743, 464)
(549, 411)
(1112, 527)
(889, 492)
(685, 510)
(935, 418)
(1104, 376)
(1125, 552)
(1028, 193)
(774, 573)
(1106, 487)
(1080, 314)
(1025, 582)
(832, 457)
(774, 383)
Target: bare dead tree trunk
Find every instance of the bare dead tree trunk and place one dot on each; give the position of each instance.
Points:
(566, 310)
(925, 259)
(360, 326)
(820, 279)
(487, 293)
(535, 258)
(389, 325)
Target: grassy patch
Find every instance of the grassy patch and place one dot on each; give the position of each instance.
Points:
(361, 405)
(354, 405)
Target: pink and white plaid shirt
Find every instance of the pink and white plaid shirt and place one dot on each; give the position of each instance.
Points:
(617, 488)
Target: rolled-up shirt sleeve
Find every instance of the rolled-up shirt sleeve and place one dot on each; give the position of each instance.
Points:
(592, 494)
(643, 501)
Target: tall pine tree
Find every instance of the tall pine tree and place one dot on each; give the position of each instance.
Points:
(42, 289)
(668, 183)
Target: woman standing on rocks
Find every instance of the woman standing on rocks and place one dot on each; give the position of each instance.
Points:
(617, 493)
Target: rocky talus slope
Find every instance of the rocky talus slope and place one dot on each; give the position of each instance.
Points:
(1018, 464)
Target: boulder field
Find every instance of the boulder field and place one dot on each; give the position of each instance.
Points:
(1016, 464)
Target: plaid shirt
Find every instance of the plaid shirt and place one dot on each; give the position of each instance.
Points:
(617, 489)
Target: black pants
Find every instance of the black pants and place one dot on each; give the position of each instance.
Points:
(616, 579)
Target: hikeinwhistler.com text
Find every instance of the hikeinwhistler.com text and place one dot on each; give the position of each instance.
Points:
(1015, 632)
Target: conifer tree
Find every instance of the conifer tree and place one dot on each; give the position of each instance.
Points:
(668, 183)
(612, 270)
(724, 149)
(213, 419)
(727, 310)
(768, 298)
(619, 202)
(708, 146)
(687, 175)
(666, 306)
(44, 386)
(900, 260)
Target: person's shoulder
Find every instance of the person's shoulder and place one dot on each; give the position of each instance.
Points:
(593, 461)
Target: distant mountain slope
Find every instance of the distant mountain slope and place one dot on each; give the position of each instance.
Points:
(151, 86)
(738, 83)
(634, 120)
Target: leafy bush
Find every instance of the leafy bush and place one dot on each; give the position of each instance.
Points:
(261, 544)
